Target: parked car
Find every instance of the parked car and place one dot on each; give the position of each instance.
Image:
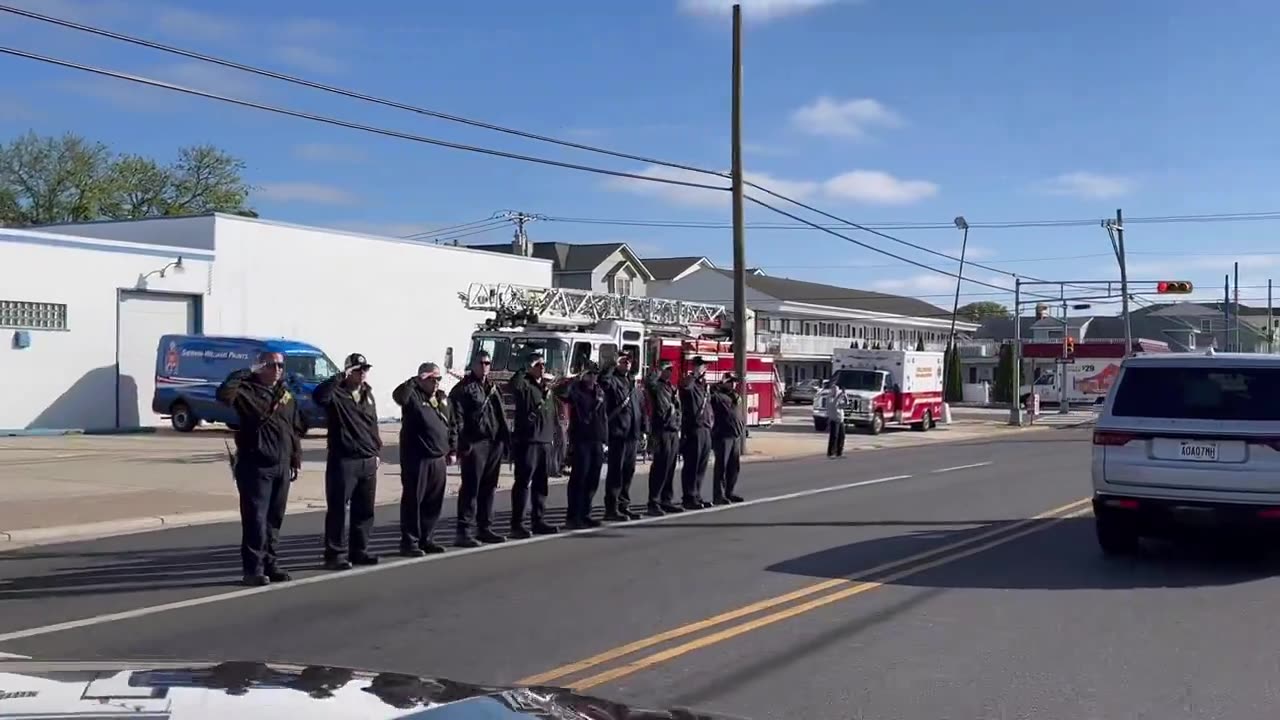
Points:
(802, 392)
(1188, 441)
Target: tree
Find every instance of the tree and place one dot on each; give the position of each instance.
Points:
(45, 180)
(979, 311)
(953, 377)
(1003, 387)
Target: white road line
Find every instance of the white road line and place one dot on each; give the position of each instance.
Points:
(12, 656)
(961, 467)
(453, 553)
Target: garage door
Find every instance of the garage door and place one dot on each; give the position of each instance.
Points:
(144, 317)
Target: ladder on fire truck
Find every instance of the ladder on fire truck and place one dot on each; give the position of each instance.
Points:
(523, 304)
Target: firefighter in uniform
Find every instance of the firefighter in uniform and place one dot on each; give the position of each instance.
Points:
(696, 432)
(483, 436)
(622, 403)
(268, 456)
(664, 439)
(531, 447)
(588, 431)
(351, 470)
(428, 444)
(726, 439)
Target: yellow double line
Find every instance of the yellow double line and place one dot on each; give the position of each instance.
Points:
(856, 585)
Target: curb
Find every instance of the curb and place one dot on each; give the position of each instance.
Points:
(57, 432)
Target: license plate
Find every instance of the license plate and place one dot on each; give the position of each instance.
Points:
(1198, 451)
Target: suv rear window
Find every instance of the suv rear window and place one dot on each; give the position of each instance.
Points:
(1204, 393)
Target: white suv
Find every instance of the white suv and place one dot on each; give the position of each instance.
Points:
(1188, 440)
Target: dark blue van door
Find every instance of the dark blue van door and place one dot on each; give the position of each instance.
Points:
(189, 369)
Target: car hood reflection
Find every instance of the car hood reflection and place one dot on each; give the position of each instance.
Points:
(251, 690)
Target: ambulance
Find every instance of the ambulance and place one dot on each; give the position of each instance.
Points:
(884, 388)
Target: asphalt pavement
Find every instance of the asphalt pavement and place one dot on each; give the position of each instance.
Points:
(957, 580)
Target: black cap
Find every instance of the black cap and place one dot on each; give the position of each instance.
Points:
(729, 377)
(624, 355)
(356, 360)
(699, 361)
(591, 369)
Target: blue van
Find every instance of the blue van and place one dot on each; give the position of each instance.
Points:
(189, 369)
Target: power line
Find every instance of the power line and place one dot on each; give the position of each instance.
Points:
(909, 261)
(348, 93)
(448, 228)
(992, 225)
(343, 123)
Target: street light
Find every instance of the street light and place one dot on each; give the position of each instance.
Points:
(963, 226)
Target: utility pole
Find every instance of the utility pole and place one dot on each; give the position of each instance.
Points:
(520, 243)
(1271, 329)
(1235, 311)
(739, 228)
(962, 224)
(1226, 312)
(1015, 407)
(1063, 405)
(1115, 229)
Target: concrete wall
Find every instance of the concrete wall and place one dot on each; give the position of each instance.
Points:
(67, 379)
(393, 301)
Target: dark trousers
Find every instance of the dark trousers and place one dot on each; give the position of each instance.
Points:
(835, 438)
(264, 493)
(696, 452)
(555, 458)
(724, 477)
(480, 467)
(422, 484)
(584, 479)
(662, 473)
(349, 482)
(622, 468)
(532, 462)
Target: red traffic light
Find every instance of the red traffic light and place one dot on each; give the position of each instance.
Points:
(1173, 287)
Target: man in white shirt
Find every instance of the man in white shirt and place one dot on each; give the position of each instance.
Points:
(836, 397)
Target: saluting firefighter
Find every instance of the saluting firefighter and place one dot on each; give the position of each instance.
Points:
(588, 431)
(268, 457)
(351, 470)
(428, 445)
(531, 447)
(664, 439)
(625, 421)
(726, 440)
(483, 436)
(696, 435)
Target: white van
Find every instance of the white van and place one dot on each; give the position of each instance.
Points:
(1188, 440)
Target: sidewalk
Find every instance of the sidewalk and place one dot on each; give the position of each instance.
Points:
(80, 486)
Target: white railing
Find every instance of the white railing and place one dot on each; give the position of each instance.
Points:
(785, 344)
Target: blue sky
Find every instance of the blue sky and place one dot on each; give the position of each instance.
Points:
(877, 111)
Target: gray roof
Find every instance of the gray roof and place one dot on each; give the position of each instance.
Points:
(572, 258)
(1074, 322)
(667, 268)
(832, 296)
(1001, 328)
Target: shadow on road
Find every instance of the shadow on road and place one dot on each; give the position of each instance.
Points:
(1063, 555)
(100, 573)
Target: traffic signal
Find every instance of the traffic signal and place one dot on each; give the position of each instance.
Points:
(1173, 287)
(1071, 346)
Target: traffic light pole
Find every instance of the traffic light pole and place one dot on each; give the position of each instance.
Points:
(1063, 407)
(1015, 405)
(1124, 284)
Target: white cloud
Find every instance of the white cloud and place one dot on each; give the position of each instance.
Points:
(329, 152)
(136, 97)
(874, 187)
(1089, 186)
(870, 187)
(310, 60)
(313, 30)
(306, 192)
(829, 117)
(922, 284)
(752, 10)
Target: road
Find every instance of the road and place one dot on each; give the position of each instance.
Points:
(956, 580)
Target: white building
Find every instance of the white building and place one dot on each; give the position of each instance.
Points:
(801, 323)
(82, 306)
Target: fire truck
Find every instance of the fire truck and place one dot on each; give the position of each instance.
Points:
(572, 327)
